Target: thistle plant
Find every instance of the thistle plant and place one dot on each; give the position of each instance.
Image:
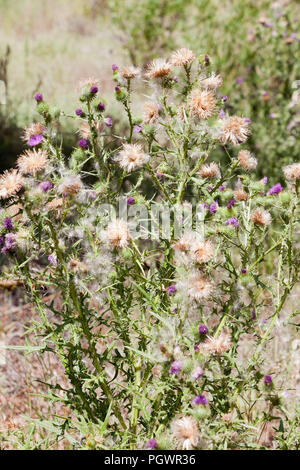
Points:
(162, 265)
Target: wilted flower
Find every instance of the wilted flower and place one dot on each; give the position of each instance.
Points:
(235, 130)
(11, 183)
(70, 185)
(210, 170)
(129, 72)
(247, 161)
(132, 157)
(158, 68)
(185, 431)
(292, 172)
(217, 345)
(32, 161)
(261, 217)
(196, 286)
(212, 82)
(182, 57)
(150, 113)
(202, 251)
(202, 103)
(240, 195)
(117, 233)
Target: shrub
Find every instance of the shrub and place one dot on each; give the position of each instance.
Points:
(164, 329)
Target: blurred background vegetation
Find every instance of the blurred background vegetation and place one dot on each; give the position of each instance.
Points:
(49, 46)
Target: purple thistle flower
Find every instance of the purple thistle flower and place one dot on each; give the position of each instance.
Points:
(130, 201)
(171, 289)
(82, 143)
(213, 208)
(206, 59)
(175, 367)
(117, 89)
(222, 114)
(151, 444)
(196, 348)
(35, 140)
(264, 180)
(232, 221)
(52, 260)
(78, 112)
(101, 106)
(108, 122)
(197, 373)
(94, 89)
(137, 129)
(9, 242)
(175, 79)
(175, 310)
(230, 204)
(267, 379)
(46, 186)
(202, 329)
(222, 188)
(7, 223)
(253, 314)
(271, 115)
(200, 400)
(114, 67)
(92, 195)
(247, 120)
(243, 271)
(276, 189)
(224, 98)
(38, 97)
(239, 80)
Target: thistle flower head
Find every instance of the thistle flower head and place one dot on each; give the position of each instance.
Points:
(202, 251)
(235, 130)
(196, 286)
(292, 172)
(261, 217)
(276, 189)
(35, 129)
(197, 373)
(70, 185)
(240, 195)
(88, 83)
(210, 170)
(247, 161)
(212, 82)
(182, 57)
(150, 113)
(185, 432)
(217, 345)
(32, 161)
(158, 68)
(132, 157)
(185, 243)
(129, 72)
(117, 233)
(202, 103)
(11, 183)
